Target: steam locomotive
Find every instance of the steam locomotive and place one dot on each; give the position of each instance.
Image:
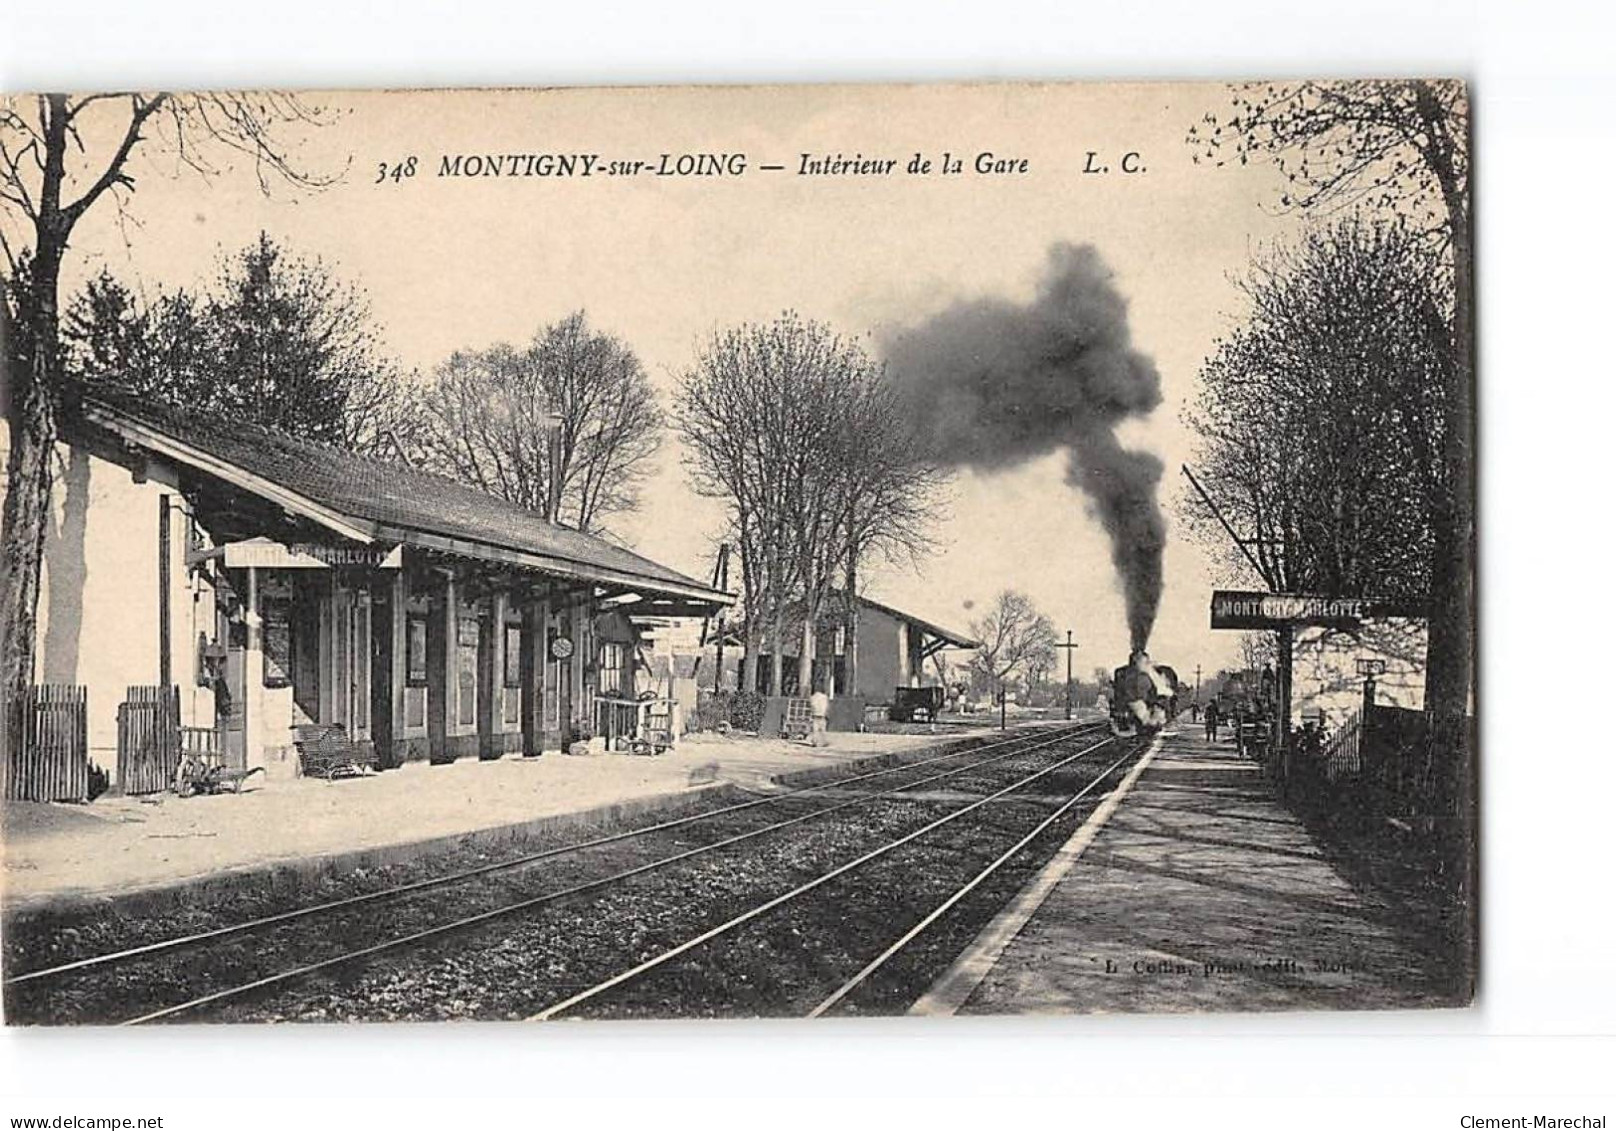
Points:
(1144, 696)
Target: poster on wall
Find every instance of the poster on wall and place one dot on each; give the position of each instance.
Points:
(513, 655)
(415, 651)
(277, 620)
(470, 633)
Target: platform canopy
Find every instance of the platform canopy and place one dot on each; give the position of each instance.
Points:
(258, 483)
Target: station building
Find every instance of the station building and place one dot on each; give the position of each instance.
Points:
(278, 582)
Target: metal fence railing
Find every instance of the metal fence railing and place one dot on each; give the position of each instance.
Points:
(1340, 757)
(1384, 760)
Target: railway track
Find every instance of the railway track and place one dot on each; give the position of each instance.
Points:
(400, 891)
(848, 986)
(191, 960)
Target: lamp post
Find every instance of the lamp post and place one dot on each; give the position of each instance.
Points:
(1369, 669)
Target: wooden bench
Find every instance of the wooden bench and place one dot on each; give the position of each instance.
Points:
(324, 750)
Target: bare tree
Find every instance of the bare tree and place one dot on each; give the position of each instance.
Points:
(1257, 650)
(871, 491)
(1401, 147)
(745, 414)
(1015, 637)
(891, 500)
(795, 427)
(567, 426)
(60, 156)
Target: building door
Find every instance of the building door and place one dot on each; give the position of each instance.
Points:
(230, 689)
(437, 668)
(486, 717)
(533, 695)
(358, 667)
(350, 667)
(381, 679)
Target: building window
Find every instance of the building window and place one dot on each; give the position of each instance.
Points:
(466, 642)
(609, 680)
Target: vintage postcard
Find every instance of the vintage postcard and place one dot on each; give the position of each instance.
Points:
(795, 551)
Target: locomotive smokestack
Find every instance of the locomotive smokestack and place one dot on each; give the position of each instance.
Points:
(994, 384)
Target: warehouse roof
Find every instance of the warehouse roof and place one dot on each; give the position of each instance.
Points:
(941, 637)
(372, 500)
(947, 636)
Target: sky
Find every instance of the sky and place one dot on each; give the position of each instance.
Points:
(461, 262)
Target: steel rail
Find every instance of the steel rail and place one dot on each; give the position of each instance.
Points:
(402, 890)
(942, 909)
(466, 922)
(802, 889)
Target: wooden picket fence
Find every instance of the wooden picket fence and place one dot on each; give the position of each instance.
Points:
(148, 739)
(47, 749)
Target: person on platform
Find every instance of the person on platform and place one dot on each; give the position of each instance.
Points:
(1213, 717)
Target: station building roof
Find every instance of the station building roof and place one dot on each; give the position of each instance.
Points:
(370, 500)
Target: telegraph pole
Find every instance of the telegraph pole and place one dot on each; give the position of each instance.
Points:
(720, 581)
(1197, 685)
(1069, 647)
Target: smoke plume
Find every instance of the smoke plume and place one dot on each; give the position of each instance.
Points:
(993, 384)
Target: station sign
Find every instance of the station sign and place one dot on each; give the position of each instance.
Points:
(1238, 609)
(267, 554)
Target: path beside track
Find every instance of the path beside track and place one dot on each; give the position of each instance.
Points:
(1199, 891)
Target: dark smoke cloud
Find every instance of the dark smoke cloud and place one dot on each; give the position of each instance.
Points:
(993, 384)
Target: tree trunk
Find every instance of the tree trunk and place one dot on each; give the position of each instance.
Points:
(777, 633)
(1451, 650)
(749, 659)
(850, 596)
(31, 415)
(805, 658)
(805, 645)
(753, 599)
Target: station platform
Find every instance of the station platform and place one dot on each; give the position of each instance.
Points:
(1193, 888)
(115, 847)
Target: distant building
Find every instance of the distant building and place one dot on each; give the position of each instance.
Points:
(279, 582)
(893, 647)
(671, 648)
